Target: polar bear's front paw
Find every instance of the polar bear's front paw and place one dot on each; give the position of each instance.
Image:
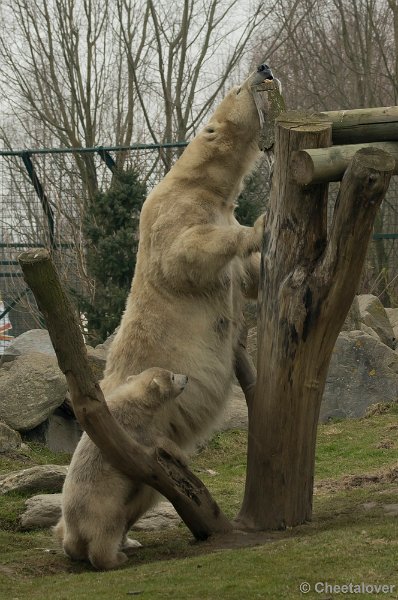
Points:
(252, 237)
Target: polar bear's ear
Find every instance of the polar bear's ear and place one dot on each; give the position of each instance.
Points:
(156, 382)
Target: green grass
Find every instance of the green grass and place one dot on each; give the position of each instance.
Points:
(346, 542)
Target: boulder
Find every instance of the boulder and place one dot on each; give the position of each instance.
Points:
(38, 340)
(35, 340)
(373, 314)
(48, 478)
(44, 510)
(353, 319)
(9, 439)
(235, 414)
(392, 314)
(369, 331)
(104, 347)
(60, 432)
(362, 372)
(163, 516)
(97, 360)
(31, 388)
(41, 511)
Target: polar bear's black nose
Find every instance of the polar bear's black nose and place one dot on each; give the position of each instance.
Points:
(265, 71)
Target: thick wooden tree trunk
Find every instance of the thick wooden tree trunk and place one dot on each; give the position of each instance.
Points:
(307, 285)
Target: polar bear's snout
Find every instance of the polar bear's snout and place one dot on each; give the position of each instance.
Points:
(180, 381)
(265, 71)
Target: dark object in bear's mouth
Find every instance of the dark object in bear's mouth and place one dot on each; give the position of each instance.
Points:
(265, 71)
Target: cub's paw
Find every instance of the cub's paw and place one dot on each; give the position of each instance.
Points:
(129, 544)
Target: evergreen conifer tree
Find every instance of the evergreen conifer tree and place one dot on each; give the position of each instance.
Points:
(110, 230)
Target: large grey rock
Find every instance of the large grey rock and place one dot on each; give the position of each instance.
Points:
(9, 439)
(60, 432)
(363, 371)
(38, 340)
(97, 359)
(163, 516)
(35, 340)
(353, 319)
(373, 314)
(42, 511)
(392, 314)
(31, 388)
(48, 478)
(235, 415)
(104, 347)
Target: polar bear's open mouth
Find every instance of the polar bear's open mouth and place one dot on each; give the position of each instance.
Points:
(265, 72)
(260, 82)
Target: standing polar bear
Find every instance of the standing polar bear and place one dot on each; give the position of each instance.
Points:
(98, 502)
(194, 266)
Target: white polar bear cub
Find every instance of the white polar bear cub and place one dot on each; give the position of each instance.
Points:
(98, 502)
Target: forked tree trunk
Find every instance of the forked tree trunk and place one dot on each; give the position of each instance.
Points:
(308, 282)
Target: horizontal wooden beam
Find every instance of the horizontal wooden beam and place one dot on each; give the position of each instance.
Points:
(362, 125)
(320, 165)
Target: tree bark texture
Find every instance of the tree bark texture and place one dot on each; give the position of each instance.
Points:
(154, 466)
(308, 281)
(320, 165)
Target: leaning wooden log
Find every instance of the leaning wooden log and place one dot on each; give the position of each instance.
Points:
(153, 466)
(362, 125)
(320, 165)
(308, 282)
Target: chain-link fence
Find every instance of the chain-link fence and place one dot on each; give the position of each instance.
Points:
(42, 202)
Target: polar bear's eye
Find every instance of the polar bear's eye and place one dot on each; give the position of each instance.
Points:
(172, 378)
(209, 130)
(238, 91)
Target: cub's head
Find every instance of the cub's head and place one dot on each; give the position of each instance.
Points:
(159, 383)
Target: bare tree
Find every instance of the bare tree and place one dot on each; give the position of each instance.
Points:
(185, 76)
(83, 73)
(71, 78)
(340, 54)
(335, 54)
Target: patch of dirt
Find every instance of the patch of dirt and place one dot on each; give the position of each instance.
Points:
(333, 430)
(385, 445)
(238, 539)
(389, 475)
(50, 561)
(392, 427)
(380, 408)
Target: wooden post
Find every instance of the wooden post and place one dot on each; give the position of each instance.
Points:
(153, 466)
(307, 286)
(321, 165)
